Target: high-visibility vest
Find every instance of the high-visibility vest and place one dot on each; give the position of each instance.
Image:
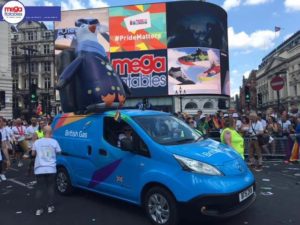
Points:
(40, 134)
(237, 141)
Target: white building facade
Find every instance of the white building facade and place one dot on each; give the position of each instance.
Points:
(284, 61)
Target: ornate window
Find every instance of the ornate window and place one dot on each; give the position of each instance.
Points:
(191, 105)
(208, 105)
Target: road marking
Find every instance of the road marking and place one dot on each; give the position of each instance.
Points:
(20, 183)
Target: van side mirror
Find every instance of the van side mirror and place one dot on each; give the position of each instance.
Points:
(126, 144)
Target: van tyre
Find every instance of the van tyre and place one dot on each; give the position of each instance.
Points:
(63, 182)
(161, 207)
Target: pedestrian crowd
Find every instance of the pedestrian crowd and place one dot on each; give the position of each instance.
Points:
(20, 141)
(264, 132)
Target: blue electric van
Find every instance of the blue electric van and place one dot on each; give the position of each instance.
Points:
(154, 160)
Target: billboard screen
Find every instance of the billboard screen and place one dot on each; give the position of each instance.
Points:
(138, 27)
(174, 44)
(143, 72)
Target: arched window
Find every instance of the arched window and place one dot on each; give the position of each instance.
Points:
(191, 105)
(208, 105)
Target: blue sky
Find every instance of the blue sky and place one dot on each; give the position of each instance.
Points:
(250, 27)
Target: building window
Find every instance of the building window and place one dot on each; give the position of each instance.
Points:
(208, 105)
(34, 67)
(295, 90)
(14, 51)
(47, 67)
(30, 35)
(15, 68)
(46, 49)
(47, 35)
(16, 37)
(47, 83)
(26, 85)
(15, 84)
(34, 80)
(191, 105)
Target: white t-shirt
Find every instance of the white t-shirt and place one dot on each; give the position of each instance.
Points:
(238, 124)
(9, 132)
(285, 125)
(29, 132)
(5, 135)
(264, 123)
(256, 128)
(45, 160)
(19, 132)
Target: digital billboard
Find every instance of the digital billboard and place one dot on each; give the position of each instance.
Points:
(144, 72)
(138, 27)
(175, 44)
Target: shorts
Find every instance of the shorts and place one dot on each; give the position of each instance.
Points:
(18, 148)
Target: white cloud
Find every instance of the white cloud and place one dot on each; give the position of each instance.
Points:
(46, 3)
(292, 5)
(247, 73)
(72, 4)
(256, 2)
(98, 3)
(29, 2)
(229, 4)
(288, 36)
(261, 39)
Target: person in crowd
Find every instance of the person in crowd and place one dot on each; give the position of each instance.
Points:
(261, 119)
(198, 117)
(294, 158)
(20, 133)
(273, 131)
(256, 131)
(202, 126)
(4, 142)
(45, 151)
(238, 122)
(244, 130)
(2, 176)
(30, 132)
(285, 131)
(231, 137)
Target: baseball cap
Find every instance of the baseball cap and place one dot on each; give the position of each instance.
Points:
(235, 115)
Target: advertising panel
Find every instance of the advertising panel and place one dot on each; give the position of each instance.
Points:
(225, 81)
(65, 29)
(191, 24)
(196, 70)
(144, 72)
(138, 27)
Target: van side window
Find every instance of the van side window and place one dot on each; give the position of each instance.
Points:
(115, 132)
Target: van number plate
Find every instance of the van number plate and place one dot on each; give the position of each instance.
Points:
(246, 194)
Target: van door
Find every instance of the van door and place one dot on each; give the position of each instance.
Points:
(119, 169)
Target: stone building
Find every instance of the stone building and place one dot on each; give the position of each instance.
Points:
(283, 61)
(36, 36)
(5, 69)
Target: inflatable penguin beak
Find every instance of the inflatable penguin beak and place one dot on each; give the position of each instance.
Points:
(92, 28)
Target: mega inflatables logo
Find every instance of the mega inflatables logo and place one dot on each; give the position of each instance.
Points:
(13, 12)
(144, 72)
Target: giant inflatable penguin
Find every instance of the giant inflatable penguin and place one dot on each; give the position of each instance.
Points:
(90, 79)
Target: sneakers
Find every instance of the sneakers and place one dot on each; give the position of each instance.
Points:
(39, 212)
(51, 209)
(3, 177)
(20, 164)
(177, 73)
(258, 168)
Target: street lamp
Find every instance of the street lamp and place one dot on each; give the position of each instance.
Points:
(180, 93)
(28, 58)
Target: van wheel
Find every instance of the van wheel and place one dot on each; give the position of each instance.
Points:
(63, 182)
(161, 207)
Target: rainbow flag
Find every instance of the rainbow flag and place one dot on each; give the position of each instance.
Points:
(295, 152)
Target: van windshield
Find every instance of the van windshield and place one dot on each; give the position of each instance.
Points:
(167, 130)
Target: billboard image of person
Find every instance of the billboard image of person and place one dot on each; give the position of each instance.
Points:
(196, 23)
(198, 69)
(138, 27)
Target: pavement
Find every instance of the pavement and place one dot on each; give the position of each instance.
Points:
(278, 203)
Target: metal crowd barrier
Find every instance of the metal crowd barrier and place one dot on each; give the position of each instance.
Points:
(274, 150)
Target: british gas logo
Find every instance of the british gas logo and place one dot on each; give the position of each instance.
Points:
(13, 12)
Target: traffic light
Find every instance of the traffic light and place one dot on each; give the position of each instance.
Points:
(259, 98)
(33, 95)
(247, 94)
(2, 99)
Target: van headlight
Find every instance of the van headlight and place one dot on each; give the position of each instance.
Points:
(197, 166)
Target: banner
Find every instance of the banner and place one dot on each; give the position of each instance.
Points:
(138, 27)
(144, 72)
